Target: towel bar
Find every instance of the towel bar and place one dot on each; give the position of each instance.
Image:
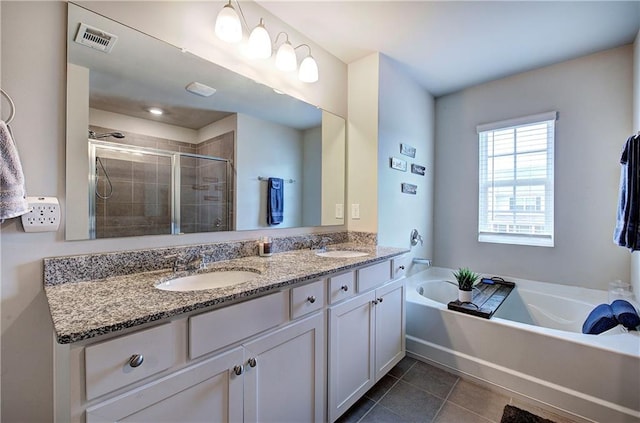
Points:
(264, 178)
(11, 103)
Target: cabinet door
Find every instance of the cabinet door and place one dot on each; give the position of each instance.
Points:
(351, 365)
(206, 392)
(390, 327)
(285, 374)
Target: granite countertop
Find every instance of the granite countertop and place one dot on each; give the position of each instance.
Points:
(86, 309)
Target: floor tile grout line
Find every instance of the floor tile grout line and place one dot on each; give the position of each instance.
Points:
(388, 390)
(446, 399)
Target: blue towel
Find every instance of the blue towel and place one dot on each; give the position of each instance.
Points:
(627, 229)
(626, 314)
(601, 319)
(275, 201)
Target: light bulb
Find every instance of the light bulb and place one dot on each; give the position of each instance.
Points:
(308, 70)
(260, 42)
(286, 58)
(228, 26)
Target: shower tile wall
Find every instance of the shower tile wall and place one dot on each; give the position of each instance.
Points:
(141, 200)
(214, 205)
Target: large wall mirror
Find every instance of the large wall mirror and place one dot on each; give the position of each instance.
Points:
(212, 161)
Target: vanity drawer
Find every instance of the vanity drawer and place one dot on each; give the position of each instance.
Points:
(307, 298)
(111, 364)
(400, 265)
(341, 287)
(216, 329)
(375, 275)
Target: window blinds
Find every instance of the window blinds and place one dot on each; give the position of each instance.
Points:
(516, 181)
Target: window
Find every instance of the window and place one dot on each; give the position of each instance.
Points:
(516, 181)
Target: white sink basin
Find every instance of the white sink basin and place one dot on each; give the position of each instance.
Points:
(342, 254)
(210, 280)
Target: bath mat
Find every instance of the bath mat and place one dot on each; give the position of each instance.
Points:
(513, 414)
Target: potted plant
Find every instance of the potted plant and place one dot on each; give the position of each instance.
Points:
(466, 280)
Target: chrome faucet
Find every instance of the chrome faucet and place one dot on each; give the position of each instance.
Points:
(183, 263)
(320, 244)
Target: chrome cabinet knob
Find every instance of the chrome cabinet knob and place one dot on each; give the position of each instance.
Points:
(311, 299)
(252, 362)
(401, 267)
(375, 302)
(238, 370)
(380, 299)
(345, 288)
(136, 360)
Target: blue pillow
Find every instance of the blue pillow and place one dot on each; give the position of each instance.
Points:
(626, 314)
(601, 319)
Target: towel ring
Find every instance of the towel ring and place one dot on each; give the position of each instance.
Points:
(11, 103)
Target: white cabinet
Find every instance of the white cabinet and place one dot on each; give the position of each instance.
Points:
(390, 327)
(366, 339)
(209, 391)
(284, 374)
(268, 359)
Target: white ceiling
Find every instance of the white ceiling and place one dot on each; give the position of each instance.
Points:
(449, 45)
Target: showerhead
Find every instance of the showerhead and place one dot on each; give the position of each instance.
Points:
(95, 136)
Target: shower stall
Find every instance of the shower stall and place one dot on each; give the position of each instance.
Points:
(135, 191)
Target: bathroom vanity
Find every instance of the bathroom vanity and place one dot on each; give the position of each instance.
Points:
(301, 342)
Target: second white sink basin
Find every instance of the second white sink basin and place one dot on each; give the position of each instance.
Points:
(209, 280)
(342, 254)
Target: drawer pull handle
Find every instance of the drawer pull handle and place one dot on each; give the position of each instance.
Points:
(401, 267)
(345, 288)
(311, 299)
(238, 370)
(136, 360)
(252, 362)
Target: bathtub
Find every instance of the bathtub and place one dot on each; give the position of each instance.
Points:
(533, 345)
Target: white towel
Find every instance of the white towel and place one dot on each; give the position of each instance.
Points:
(13, 201)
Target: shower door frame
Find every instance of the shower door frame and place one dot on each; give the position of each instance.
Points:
(175, 179)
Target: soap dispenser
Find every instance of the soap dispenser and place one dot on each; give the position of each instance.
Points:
(265, 246)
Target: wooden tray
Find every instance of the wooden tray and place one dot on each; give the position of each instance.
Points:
(487, 297)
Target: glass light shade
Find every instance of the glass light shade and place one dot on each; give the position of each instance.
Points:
(286, 58)
(260, 42)
(228, 26)
(308, 70)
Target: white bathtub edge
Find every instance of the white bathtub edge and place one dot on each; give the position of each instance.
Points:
(563, 398)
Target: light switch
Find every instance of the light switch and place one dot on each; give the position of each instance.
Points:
(355, 211)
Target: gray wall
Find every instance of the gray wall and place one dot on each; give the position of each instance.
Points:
(593, 96)
(406, 115)
(34, 74)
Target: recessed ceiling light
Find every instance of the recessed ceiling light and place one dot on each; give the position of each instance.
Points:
(155, 111)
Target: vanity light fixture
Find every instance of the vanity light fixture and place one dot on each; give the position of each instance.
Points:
(308, 71)
(155, 111)
(260, 42)
(229, 28)
(286, 59)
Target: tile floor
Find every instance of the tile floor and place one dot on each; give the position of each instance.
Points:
(414, 391)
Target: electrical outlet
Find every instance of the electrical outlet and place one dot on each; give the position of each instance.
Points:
(44, 215)
(339, 211)
(355, 211)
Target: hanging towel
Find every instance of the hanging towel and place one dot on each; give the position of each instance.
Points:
(13, 201)
(275, 201)
(600, 319)
(627, 229)
(626, 314)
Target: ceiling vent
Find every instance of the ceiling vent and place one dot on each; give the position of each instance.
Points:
(95, 38)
